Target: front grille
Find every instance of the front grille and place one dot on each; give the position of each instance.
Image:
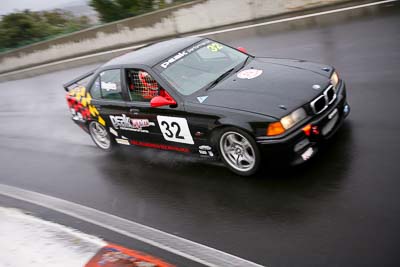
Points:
(330, 94)
(319, 104)
(322, 102)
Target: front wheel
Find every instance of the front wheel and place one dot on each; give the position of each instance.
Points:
(239, 151)
(100, 136)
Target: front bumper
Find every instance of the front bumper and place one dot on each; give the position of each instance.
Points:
(297, 147)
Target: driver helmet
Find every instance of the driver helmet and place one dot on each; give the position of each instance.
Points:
(150, 86)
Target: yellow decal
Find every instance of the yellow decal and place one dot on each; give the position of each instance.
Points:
(93, 111)
(214, 47)
(85, 99)
(88, 99)
(84, 102)
(80, 92)
(101, 121)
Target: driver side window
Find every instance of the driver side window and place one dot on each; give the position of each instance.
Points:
(142, 87)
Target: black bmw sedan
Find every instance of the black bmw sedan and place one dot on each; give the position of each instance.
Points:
(195, 95)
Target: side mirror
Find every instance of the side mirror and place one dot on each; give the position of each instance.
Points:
(242, 49)
(159, 101)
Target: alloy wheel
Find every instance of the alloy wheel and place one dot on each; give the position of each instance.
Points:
(100, 135)
(237, 151)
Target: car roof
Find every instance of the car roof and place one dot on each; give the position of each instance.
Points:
(154, 53)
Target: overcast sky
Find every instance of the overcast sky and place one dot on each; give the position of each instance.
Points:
(7, 6)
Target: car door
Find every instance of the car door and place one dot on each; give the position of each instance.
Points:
(109, 98)
(163, 127)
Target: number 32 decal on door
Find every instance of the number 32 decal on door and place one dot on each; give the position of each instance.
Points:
(175, 129)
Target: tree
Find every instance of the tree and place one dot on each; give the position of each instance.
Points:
(22, 28)
(56, 17)
(108, 10)
(19, 27)
(111, 10)
(141, 6)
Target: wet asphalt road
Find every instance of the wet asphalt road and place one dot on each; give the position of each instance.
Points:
(340, 209)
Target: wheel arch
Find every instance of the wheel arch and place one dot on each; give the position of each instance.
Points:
(224, 123)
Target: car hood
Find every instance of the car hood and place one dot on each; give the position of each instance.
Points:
(283, 82)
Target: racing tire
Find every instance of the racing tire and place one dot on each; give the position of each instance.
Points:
(238, 151)
(100, 136)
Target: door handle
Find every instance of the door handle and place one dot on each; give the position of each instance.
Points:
(134, 110)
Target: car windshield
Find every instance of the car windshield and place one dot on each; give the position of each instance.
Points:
(199, 65)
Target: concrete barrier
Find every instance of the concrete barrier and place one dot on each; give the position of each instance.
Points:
(180, 20)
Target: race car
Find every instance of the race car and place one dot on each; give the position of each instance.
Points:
(197, 95)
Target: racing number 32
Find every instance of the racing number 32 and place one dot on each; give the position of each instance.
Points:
(175, 129)
(168, 131)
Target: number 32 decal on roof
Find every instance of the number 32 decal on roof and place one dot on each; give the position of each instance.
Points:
(214, 47)
(175, 129)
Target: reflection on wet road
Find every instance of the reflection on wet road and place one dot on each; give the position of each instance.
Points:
(340, 209)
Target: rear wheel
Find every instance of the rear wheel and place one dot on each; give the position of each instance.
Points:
(100, 136)
(239, 151)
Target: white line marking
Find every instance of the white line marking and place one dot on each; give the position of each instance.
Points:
(204, 34)
(177, 245)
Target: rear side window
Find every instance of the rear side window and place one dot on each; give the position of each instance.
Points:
(107, 85)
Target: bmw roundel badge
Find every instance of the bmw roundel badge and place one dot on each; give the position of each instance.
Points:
(316, 87)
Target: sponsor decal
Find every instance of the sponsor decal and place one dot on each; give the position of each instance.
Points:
(126, 123)
(113, 131)
(206, 151)
(108, 86)
(183, 53)
(203, 152)
(122, 141)
(175, 129)
(205, 147)
(197, 46)
(173, 59)
(307, 154)
(79, 100)
(160, 146)
(202, 98)
(76, 115)
(249, 74)
(117, 256)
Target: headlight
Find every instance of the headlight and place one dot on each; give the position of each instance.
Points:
(334, 79)
(293, 118)
(279, 127)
